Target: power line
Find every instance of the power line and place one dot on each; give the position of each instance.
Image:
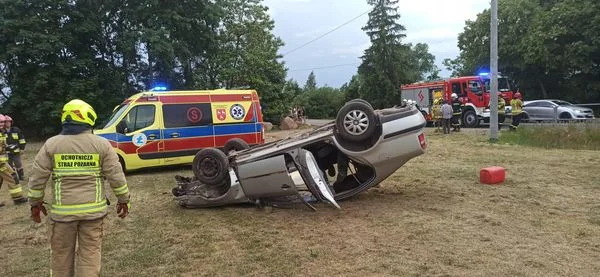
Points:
(324, 67)
(321, 36)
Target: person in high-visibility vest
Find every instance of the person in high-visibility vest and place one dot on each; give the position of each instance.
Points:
(501, 110)
(78, 162)
(516, 111)
(456, 112)
(16, 143)
(436, 111)
(7, 175)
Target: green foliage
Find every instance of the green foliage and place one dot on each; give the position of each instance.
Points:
(572, 136)
(551, 48)
(388, 63)
(103, 51)
(323, 102)
(311, 82)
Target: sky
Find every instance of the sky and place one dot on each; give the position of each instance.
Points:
(335, 57)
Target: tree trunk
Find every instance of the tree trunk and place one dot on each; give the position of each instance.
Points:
(543, 89)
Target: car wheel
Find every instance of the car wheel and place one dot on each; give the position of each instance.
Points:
(361, 101)
(470, 119)
(355, 121)
(235, 144)
(210, 166)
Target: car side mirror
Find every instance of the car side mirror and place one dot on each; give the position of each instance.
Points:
(122, 127)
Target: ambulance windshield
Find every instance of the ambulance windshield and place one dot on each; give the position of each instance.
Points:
(115, 115)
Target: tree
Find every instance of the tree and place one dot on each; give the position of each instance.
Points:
(311, 82)
(352, 89)
(386, 64)
(424, 63)
(549, 47)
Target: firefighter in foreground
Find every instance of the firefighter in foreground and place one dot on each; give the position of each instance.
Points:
(516, 111)
(456, 112)
(77, 161)
(7, 174)
(15, 143)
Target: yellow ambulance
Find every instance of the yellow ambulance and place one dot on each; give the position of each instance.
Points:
(158, 128)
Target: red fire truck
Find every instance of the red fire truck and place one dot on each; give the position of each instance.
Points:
(472, 91)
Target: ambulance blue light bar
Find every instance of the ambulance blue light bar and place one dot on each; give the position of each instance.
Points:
(159, 88)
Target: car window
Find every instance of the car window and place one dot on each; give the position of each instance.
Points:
(546, 104)
(187, 115)
(561, 103)
(532, 104)
(116, 114)
(140, 117)
(475, 87)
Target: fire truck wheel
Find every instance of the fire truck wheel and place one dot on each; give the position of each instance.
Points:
(210, 166)
(356, 121)
(235, 144)
(470, 119)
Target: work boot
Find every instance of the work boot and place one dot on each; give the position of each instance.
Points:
(20, 200)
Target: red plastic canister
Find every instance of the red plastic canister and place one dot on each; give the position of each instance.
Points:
(492, 175)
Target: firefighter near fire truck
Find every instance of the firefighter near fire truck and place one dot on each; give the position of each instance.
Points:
(15, 144)
(501, 110)
(517, 111)
(78, 162)
(456, 112)
(7, 175)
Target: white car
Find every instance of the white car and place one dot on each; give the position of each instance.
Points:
(358, 150)
(551, 109)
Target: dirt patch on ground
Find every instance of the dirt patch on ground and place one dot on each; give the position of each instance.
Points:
(431, 218)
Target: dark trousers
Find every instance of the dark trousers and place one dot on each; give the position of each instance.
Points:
(516, 120)
(456, 122)
(446, 125)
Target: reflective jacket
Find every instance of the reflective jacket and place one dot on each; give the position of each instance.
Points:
(501, 105)
(15, 140)
(516, 106)
(3, 148)
(78, 165)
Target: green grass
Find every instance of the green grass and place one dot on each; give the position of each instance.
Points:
(573, 136)
(430, 218)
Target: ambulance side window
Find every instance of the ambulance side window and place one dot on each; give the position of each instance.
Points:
(187, 115)
(140, 117)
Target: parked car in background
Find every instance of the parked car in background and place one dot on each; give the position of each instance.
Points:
(358, 150)
(552, 109)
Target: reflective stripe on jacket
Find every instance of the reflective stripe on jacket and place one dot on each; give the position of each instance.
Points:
(15, 140)
(3, 154)
(78, 165)
(456, 107)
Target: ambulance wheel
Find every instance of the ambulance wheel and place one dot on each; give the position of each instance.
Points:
(210, 166)
(356, 121)
(235, 144)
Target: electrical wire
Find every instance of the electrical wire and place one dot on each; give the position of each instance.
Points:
(324, 67)
(321, 36)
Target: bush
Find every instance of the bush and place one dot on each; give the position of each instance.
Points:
(572, 136)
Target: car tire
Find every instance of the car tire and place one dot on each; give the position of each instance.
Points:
(470, 119)
(356, 121)
(361, 101)
(210, 166)
(235, 144)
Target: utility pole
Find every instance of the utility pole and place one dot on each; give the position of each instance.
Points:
(494, 72)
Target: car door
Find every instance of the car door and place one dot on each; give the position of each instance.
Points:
(532, 110)
(546, 111)
(140, 136)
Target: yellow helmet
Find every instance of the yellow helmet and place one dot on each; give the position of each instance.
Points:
(78, 112)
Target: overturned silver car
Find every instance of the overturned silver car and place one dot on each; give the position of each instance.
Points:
(347, 156)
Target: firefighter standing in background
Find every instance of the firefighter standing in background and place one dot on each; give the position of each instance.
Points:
(15, 143)
(516, 110)
(78, 161)
(436, 111)
(501, 110)
(456, 112)
(7, 174)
